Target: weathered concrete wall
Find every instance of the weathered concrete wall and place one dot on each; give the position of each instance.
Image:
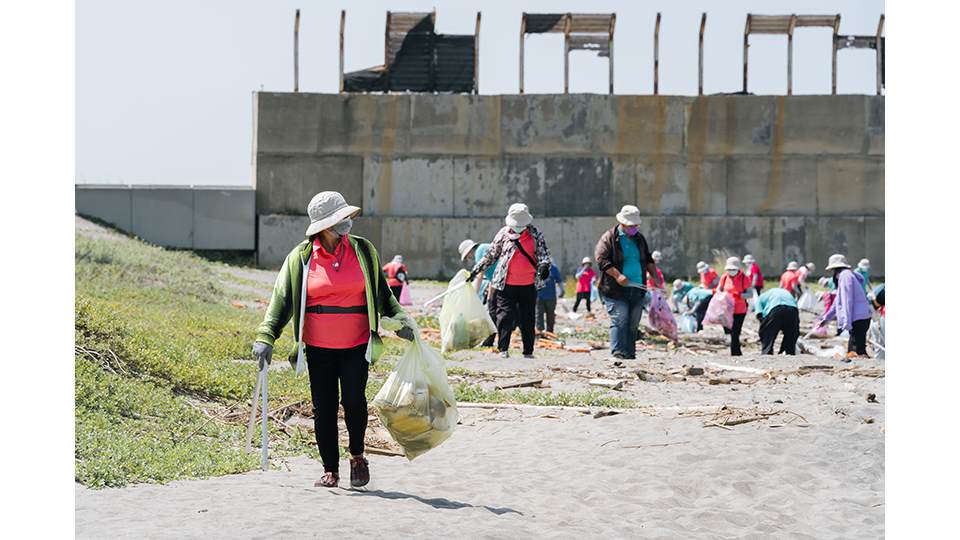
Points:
(180, 217)
(782, 177)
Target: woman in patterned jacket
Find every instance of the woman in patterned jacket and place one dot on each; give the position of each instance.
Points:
(523, 263)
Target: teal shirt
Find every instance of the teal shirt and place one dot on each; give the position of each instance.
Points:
(684, 289)
(697, 294)
(866, 277)
(482, 250)
(772, 298)
(632, 267)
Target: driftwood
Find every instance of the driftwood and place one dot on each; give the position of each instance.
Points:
(658, 445)
(745, 369)
(613, 384)
(521, 384)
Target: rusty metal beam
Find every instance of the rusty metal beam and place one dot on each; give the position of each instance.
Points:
(656, 56)
(296, 52)
(703, 24)
(746, 46)
(566, 55)
(476, 56)
(793, 24)
(523, 36)
(613, 23)
(343, 19)
(880, 52)
(833, 68)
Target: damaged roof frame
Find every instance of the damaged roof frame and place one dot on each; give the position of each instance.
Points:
(581, 32)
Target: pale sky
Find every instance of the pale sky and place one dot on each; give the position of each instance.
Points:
(164, 89)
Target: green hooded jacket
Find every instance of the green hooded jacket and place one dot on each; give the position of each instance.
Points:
(289, 297)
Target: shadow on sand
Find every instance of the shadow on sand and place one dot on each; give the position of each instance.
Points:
(439, 502)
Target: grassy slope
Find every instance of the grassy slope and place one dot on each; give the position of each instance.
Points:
(157, 335)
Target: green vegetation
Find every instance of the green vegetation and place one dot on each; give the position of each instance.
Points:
(474, 393)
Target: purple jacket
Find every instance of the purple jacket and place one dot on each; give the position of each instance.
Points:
(851, 303)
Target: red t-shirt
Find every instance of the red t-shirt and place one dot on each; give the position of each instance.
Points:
(328, 285)
(735, 286)
(655, 285)
(708, 279)
(789, 280)
(583, 282)
(391, 269)
(520, 271)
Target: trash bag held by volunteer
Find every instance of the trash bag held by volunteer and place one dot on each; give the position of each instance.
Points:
(474, 252)
(332, 285)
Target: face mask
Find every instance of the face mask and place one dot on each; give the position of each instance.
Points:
(632, 231)
(733, 272)
(343, 228)
(517, 230)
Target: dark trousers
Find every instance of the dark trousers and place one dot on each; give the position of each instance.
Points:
(331, 370)
(489, 298)
(396, 291)
(700, 311)
(582, 296)
(858, 337)
(516, 306)
(781, 320)
(546, 309)
(735, 334)
(758, 288)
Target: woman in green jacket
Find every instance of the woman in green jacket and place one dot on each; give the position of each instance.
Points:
(334, 289)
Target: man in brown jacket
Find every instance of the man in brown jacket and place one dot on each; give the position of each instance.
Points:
(624, 259)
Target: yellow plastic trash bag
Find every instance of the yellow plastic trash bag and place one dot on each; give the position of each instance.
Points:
(416, 404)
(464, 321)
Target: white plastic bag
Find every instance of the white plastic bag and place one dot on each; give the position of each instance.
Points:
(807, 301)
(464, 321)
(416, 404)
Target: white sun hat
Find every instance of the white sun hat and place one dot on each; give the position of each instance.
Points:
(586, 260)
(398, 259)
(657, 256)
(864, 264)
(326, 209)
(837, 261)
(629, 216)
(792, 265)
(733, 263)
(702, 266)
(811, 267)
(518, 215)
(748, 259)
(677, 283)
(465, 247)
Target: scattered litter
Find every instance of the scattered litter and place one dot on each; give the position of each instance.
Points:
(613, 384)
(601, 414)
(521, 384)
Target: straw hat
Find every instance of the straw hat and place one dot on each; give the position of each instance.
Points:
(702, 266)
(748, 259)
(792, 265)
(837, 261)
(629, 216)
(465, 247)
(657, 256)
(586, 260)
(864, 264)
(326, 209)
(733, 263)
(518, 215)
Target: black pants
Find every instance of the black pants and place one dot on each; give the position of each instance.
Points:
(735, 334)
(700, 311)
(582, 296)
(546, 309)
(781, 320)
(396, 291)
(328, 370)
(516, 306)
(489, 298)
(858, 337)
(758, 288)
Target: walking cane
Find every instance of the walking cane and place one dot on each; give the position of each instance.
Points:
(264, 439)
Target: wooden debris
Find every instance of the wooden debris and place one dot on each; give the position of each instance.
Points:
(613, 384)
(745, 369)
(521, 384)
(601, 414)
(647, 376)
(871, 398)
(692, 371)
(658, 445)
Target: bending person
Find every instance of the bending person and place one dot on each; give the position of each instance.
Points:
(778, 314)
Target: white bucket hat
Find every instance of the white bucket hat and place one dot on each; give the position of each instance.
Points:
(677, 283)
(837, 261)
(465, 247)
(864, 264)
(629, 215)
(792, 265)
(811, 267)
(326, 209)
(657, 256)
(586, 260)
(702, 266)
(398, 259)
(518, 215)
(733, 263)
(748, 259)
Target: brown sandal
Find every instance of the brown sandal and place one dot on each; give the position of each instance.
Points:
(329, 479)
(359, 471)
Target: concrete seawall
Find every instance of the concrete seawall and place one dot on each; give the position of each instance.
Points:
(782, 177)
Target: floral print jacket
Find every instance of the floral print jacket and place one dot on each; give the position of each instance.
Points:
(502, 249)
